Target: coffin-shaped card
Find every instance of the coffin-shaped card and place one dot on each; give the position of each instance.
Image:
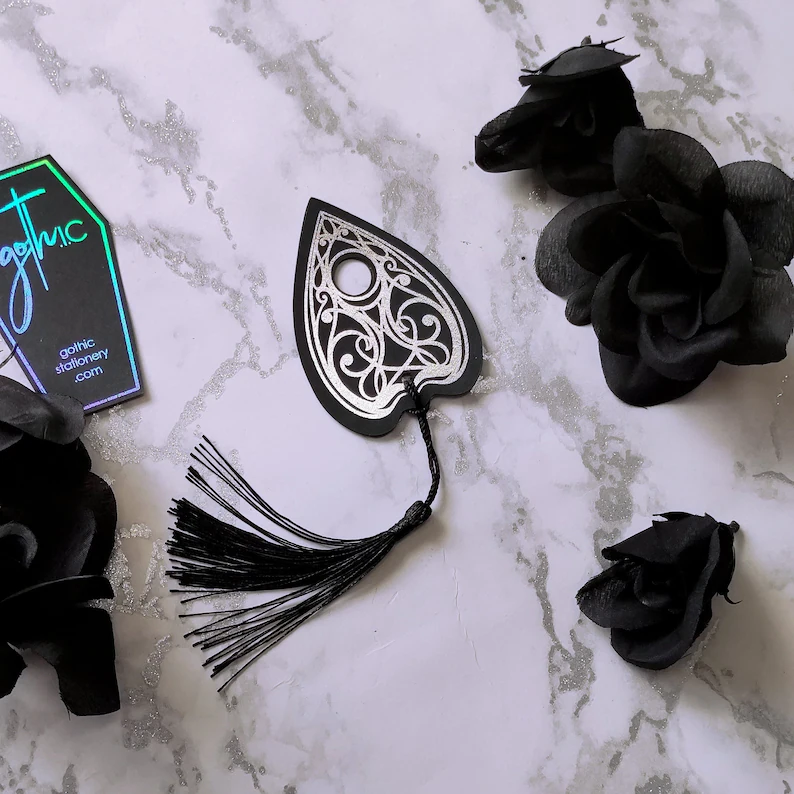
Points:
(62, 305)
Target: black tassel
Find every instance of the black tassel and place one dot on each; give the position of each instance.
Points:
(212, 557)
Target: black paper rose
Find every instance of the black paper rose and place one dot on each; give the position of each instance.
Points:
(57, 526)
(679, 268)
(657, 596)
(566, 121)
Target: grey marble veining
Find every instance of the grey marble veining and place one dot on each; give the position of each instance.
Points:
(201, 129)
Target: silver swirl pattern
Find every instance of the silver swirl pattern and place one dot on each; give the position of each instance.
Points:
(404, 323)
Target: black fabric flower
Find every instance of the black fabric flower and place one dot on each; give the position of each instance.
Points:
(656, 598)
(57, 526)
(679, 268)
(566, 121)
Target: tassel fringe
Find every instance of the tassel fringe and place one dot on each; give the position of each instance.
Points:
(212, 557)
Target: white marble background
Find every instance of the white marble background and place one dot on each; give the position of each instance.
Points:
(201, 128)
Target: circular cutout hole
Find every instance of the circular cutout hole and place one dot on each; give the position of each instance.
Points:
(353, 276)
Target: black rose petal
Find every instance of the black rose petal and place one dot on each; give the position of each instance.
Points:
(536, 103)
(631, 380)
(515, 139)
(576, 63)
(67, 534)
(21, 611)
(665, 542)
(667, 166)
(566, 121)
(573, 175)
(50, 620)
(557, 269)
(609, 601)
(577, 158)
(80, 647)
(681, 359)
(614, 316)
(31, 466)
(47, 417)
(701, 248)
(737, 277)
(684, 321)
(726, 565)
(598, 237)
(8, 436)
(77, 641)
(662, 283)
(658, 589)
(78, 532)
(766, 323)
(11, 667)
(656, 598)
(577, 309)
(39, 443)
(100, 507)
(18, 547)
(618, 108)
(761, 198)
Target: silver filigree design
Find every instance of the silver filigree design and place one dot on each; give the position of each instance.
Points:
(404, 323)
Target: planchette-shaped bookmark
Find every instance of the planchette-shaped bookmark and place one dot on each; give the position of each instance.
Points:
(409, 322)
(402, 339)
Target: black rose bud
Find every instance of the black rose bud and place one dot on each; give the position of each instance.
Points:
(656, 598)
(566, 121)
(57, 527)
(679, 268)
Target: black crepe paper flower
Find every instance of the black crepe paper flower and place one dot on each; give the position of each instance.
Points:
(679, 268)
(657, 596)
(566, 121)
(57, 526)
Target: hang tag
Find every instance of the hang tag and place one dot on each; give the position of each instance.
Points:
(61, 300)
(407, 321)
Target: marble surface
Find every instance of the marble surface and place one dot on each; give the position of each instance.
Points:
(201, 128)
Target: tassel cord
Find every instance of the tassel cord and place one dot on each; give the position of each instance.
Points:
(217, 463)
(212, 557)
(268, 640)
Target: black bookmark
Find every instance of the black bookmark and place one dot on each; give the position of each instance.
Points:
(386, 348)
